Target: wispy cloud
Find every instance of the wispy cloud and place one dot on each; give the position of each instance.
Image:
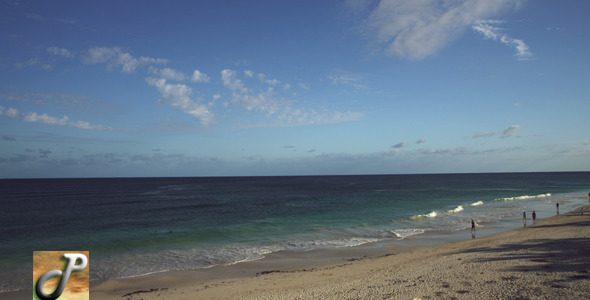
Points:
(263, 97)
(353, 80)
(36, 17)
(114, 57)
(284, 112)
(67, 102)
(33, 117)
(262, 101)
(417, 29)
(271, 81)
(489, 31)
(61, 52)
(508, 132)
(300, 117)
(34, 62)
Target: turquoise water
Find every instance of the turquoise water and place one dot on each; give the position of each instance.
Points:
(159, 224)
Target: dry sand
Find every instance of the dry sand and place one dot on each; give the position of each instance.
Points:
(547, 260)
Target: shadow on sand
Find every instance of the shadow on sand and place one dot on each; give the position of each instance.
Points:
(545, 255)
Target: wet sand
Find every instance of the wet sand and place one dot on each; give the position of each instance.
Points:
(549, 259)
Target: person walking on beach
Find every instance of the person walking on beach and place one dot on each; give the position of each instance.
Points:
(472, 229)
(524, 218)
(581, 211)
(534, 216)
(557, 205)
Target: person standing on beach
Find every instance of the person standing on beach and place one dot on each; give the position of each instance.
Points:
(472, 229)
(557, 205)
(534, 216)
(524, 218)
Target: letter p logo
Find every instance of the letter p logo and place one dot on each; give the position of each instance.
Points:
(75, 262)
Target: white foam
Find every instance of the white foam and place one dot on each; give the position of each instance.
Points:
(338, 243)
(478, 203)
(404, 233)
(524, 197)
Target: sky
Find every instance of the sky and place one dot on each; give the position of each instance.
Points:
(255, 88)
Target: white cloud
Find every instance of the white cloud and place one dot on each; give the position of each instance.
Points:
(179, 97)
(168, 73)
(417, 29)
(34, 117)
(115, 57)
(100, 55)
(494, 33)
(45, 119)
(263, 101)
(10, 113)
(198, 76)
(231, 81)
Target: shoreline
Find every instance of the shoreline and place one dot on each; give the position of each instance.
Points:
(238, 280)
(554, 249)
(547, 259)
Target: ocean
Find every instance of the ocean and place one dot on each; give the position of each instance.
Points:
(138, 226)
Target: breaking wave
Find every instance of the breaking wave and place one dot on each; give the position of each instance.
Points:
(419, 217)
(524, 197)
(456, 210)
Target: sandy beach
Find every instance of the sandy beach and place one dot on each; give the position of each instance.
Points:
(549, 259)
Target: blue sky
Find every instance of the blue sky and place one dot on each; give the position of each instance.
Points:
(240, 88)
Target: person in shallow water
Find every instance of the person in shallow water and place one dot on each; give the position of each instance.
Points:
(472, 229)
(534, 216)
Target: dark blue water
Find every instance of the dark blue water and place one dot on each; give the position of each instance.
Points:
(158, 224)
